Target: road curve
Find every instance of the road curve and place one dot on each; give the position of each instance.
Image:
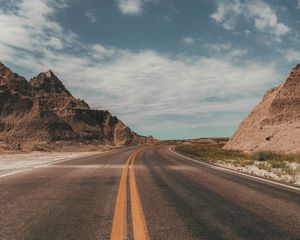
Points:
(185, 200)
(180, 199)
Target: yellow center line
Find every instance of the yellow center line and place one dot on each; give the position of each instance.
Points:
(140, 231)
(119, 227)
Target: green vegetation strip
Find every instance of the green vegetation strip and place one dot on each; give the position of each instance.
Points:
(210, 151)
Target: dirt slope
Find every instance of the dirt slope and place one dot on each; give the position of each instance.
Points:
(274, 124)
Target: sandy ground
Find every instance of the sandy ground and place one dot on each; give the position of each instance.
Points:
(274, 174)
(12, 163)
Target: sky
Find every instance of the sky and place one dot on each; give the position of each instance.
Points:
(173, 69)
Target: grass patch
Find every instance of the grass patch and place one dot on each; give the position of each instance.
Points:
(274, 156)
(212, 152)
(271, 164)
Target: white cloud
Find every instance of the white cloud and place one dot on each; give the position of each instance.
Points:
(265, 19)
(145, 85)
(137, 86)
(219, 47)
(133, 7)
(188, 40)
(292, 55)
(130, 7)
(298, 3)
(30, 21)
(91, 16)
(227, 12)
(225, 49)
(259, 12)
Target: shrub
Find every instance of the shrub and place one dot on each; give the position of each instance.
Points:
(268, 155)
(265, 155)
(278, 164)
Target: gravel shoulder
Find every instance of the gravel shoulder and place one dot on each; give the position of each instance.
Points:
(11, 163)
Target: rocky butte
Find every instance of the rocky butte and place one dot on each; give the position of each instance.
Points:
(274, 124)
(42, 113)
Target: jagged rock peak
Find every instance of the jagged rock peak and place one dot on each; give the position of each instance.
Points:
(297, 66)
(295, 72)
(45, 111)
(4, 70)
(7, 75)
(12, 81)
(48, 82)
(50, 73)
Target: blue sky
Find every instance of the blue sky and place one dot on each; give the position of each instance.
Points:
(169, 68)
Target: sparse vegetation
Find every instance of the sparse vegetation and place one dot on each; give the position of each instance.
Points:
(277, 164)
(211, 152)
(274, 163)
(264, 156)
(274, 156)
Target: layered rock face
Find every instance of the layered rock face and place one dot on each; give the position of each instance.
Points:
(274, 124)
(43, 110)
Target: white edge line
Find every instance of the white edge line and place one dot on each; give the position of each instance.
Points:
(58, 161)
(220, 168)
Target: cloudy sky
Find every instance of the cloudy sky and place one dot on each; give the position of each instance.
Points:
(170, 68)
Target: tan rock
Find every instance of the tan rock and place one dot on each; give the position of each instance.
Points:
(274, 124)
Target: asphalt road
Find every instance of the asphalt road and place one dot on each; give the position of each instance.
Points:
(153, 195)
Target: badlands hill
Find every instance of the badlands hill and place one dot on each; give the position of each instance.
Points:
(43, 111)
(274, 124)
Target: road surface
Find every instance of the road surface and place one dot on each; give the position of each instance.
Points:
(144, 193)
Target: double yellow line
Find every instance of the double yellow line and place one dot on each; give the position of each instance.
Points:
(119, 227)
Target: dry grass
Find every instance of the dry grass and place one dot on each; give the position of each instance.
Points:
(274, 156)
(278, 161)
(212, 152)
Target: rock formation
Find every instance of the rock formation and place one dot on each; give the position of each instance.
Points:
(274, 124)
(43, 110)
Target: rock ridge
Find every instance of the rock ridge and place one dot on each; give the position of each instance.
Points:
(43, 110)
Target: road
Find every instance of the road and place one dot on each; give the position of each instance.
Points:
(144, 193)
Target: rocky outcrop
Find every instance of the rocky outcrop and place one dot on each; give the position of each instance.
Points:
(47, 83)
(43, 110)
(12, 81)
(274, 124)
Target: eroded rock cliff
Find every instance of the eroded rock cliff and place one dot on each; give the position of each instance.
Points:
(43, 110)
(274, 124)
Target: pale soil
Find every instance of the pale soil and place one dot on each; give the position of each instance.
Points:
(15, 162)
(270, 173)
